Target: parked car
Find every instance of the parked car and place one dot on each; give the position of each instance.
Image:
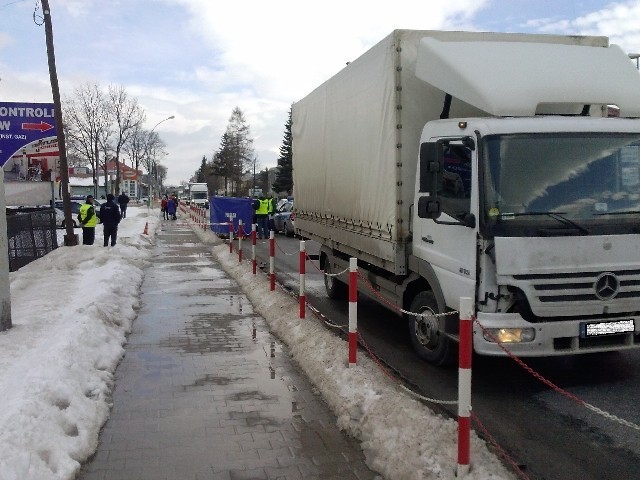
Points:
(283, 219)
(60, 221)
(34, 208)
(75, 209)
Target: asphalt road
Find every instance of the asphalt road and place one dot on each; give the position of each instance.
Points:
(550, 435)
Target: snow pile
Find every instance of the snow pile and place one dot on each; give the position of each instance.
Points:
(70, 312)
(402, 438)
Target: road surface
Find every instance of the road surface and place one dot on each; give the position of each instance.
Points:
(547, 434)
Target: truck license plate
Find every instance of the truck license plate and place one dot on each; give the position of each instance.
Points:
(597, 329)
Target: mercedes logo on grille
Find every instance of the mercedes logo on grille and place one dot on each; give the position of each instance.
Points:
(607, 286)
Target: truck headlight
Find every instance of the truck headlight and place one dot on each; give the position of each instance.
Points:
(509, 335)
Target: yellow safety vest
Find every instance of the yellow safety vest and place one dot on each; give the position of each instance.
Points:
(84, 213)
(263, 209)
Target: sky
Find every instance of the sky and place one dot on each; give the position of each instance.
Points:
(57, 365)
(198, 59)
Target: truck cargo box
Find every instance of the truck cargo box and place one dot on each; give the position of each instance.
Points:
(356, 139)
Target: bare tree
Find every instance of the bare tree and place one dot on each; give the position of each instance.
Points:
(161, 172)
(88, 119)
(107, 153)
(127, 116)
(154, 150)
(136, 147)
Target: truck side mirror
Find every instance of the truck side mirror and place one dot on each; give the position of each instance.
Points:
(429, 207)
(431, 167)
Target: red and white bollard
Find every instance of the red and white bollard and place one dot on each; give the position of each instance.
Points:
(464, 385)
(272, 262)
(231, 236)
(353, 311)
(240, 235)
(303, 261)
(253, 248)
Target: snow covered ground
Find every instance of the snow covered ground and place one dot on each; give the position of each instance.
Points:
(71, 312)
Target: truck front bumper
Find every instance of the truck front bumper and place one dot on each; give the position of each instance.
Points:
(560, 337)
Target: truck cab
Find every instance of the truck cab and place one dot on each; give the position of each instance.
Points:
(199, 195)
(546, 239)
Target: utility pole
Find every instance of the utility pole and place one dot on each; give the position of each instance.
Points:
(254, 176)
(70, 237)
(5, 285)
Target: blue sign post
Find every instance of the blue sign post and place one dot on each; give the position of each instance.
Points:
(22, 124)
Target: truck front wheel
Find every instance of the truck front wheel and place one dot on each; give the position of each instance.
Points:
(427, 333)
(336, 289)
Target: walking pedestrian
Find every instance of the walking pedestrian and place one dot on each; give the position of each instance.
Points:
(163, 208)
(110, 218)
(123, 200)
(88, 219)
(172, 206)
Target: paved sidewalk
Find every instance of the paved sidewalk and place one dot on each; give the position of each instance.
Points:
(206, 392)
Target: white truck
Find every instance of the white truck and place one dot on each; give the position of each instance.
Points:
(482, 165)
(199, 194)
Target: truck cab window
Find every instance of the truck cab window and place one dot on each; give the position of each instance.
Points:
(456, 181)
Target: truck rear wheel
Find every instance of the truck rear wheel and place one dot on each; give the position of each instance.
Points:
(427, 332)
(336, 289)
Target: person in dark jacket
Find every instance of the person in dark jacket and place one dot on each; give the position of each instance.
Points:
(172, 207)
(123, 199)
(110, 218)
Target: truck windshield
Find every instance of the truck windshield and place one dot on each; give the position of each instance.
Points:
(582, 183)
(199, 195)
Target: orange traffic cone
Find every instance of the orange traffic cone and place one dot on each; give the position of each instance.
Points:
(146, 229)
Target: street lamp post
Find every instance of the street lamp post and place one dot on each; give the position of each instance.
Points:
(148, 172)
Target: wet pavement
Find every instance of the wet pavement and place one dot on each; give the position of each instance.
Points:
(206, 392)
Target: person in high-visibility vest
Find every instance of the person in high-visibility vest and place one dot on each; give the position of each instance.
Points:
(272, 210)
(88, 219)
(262, 217)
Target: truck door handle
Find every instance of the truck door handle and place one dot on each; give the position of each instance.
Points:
(428, 240)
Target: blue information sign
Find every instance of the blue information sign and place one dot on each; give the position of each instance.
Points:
(224, 209)
(21, 124)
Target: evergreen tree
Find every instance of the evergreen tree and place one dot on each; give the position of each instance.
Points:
(202, 173)
(222, 163)
(235, 154)
(241, 147)
(284, 174)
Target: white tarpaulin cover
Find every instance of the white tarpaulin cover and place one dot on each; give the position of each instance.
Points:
(513, 78)
(356, 141)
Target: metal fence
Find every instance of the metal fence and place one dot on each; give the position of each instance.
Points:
(31, 234)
